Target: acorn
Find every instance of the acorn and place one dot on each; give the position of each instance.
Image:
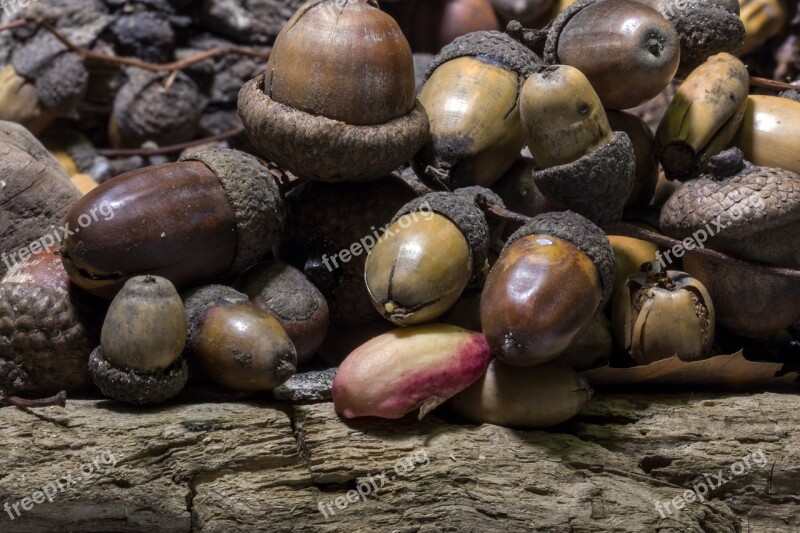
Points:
(585, 166)
(527, 12)
(705, 28)
(751, 213)
(329, 232)
(436, 23)
(42, 80)
(627, 50)
(144, 333)
(146, 110)
(408, 369)
(47, 329)
(212, 214)
(703, 117)
(645, 176)
(235, 343)
(35, 195)
(539, 397)
(434, 247)
(592, 348)
(662, 314)
(285, 293)
(323, 118)
(471, 94)
(630, 255)
(553, 276)
(763, 20)
(519, 191)
(769, 131)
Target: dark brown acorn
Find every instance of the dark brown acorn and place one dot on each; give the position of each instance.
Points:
(554, 275)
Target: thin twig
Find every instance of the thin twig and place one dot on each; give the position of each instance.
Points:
(628, 230)
(132, 61)
(166, 150)
(772, 84)
(59, 400)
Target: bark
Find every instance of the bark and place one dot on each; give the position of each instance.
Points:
(267, 466)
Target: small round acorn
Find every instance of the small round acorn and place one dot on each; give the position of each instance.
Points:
(139, 357)
(235, 343)
(553, 276)
(434, 247)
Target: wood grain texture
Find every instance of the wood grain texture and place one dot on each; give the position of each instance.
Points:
(257, 466)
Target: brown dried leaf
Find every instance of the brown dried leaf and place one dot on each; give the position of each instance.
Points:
(722, 372)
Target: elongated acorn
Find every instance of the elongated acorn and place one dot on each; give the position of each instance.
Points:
(408, 369)
(703, 117)
(539, 397)
(769, 131)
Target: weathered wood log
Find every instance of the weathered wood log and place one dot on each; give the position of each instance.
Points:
(267, 466)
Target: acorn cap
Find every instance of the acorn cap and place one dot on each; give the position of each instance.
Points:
(43, 342)
(145, 111)
(597, 185)
(318, 148)
(582, 233)
(197, 301)
(462, 211)
(255, 199)
(550, 54)
(59, 75)
(754, 212)
(705, 29)
(491, 46)
(135, 387)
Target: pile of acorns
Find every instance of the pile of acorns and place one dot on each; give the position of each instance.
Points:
(400, 234)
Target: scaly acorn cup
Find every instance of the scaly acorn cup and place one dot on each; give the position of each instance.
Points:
(213, 214)
(705, 28)
(471, 94)
(235, 343)
(659, 315)
(42, 81)
(434, 247)
(585, 167)
(327, 118)
(144, 333)
(554, 274)
(748, 212)
(769, 131)
(627, 50)
(703, 117)
(510, 396)
(285, 293)
(407, 369)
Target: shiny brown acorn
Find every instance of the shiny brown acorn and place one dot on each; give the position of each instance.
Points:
(553, 276)
(214, 213)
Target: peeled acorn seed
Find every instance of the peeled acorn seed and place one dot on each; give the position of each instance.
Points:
(407, 369)
(435, 246)
(214, 213)
(539, 397)
(235, 343)
(143, 336)
(555, 273)
(627, 50)
(285, 293)
(703, 117)
(585, 166)
(769, 132)
(360, 115)
(664, 314)
(471, 96)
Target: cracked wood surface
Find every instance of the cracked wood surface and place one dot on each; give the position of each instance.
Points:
(267, 466)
